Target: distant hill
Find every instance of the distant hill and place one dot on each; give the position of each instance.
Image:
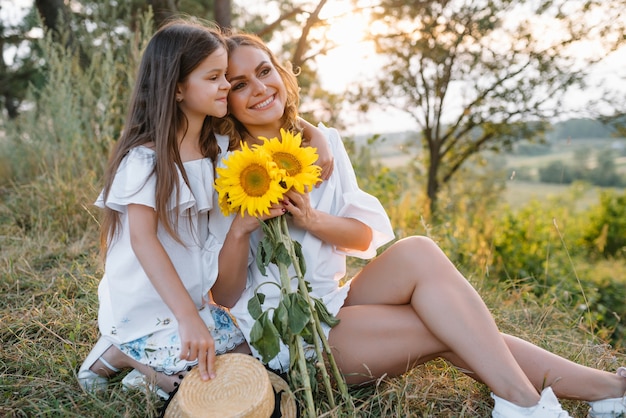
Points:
(580, 128)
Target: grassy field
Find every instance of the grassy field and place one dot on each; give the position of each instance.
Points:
(391, 152)
(48, 325)
(48, 310)
(517, 193)
(49, 273)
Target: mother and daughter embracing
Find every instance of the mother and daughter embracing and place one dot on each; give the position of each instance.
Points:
(173, 261)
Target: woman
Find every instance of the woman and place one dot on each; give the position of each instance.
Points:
(407, 306)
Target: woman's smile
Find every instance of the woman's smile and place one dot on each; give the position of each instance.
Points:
(264, 103)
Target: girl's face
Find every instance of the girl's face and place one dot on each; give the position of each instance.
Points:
(205, 91)
(258, 95)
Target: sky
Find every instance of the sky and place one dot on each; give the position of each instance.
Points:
(355, 60)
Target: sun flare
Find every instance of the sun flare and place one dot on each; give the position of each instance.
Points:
(352, 54)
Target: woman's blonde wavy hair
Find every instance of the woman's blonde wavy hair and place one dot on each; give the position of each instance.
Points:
(234, 129)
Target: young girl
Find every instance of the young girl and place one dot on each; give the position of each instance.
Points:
(407, 306)
(154, 313)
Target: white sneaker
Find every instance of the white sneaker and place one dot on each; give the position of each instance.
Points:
(609, 408)
(548, 407)
(137, 380)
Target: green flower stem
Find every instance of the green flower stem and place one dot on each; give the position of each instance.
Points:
(304, 376)
(321, 366)
(283, 235)
(319, 335)
(278, 233)
(341, 384)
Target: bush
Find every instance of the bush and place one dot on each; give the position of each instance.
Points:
(605, 231)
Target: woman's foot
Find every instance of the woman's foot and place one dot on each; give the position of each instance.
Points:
(548, 407)
(609, 408)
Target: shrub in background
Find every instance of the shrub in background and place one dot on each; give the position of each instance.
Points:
(605, 231)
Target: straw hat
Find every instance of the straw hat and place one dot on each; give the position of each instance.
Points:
(242, 388)
(288, 407)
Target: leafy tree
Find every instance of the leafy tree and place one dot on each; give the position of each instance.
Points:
(470, 73)
(87, 25)
(17, 69)
(298, 21)
(559, 173)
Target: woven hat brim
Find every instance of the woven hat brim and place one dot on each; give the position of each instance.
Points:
(241, 389)
(288, 407)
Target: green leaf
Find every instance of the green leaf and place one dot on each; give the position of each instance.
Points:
(254, 305)
(299, 313)
(265, 253)
(281, 318)
(323, 314)
(264, 338)
(281, 255)
(307, 334)
(301, 261)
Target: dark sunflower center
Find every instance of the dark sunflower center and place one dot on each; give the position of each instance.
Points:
(288, 162)
(255, 180)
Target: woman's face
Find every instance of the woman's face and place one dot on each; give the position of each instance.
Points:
(257, 95)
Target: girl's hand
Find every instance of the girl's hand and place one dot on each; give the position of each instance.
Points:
(325, 159)
(197, 343)
(317, 139)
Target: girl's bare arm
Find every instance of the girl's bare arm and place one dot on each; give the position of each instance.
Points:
(196, 340)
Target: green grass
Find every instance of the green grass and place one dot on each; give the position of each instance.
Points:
(517, 193)
(50, 269)
(48, 309)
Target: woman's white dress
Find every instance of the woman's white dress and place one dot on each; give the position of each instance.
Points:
(325, 264)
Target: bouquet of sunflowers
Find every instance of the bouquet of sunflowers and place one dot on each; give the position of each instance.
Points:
(252, 180)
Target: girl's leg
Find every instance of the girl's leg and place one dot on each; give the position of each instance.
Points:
(167, 382)
(114, 357)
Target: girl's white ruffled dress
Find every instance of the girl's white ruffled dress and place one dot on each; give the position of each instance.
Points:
(132, 315)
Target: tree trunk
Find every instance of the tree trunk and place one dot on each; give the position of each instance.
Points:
(163, 10)
(56, 17)
(222, 13)
(11, 103)
(53, 13)
(432, 187)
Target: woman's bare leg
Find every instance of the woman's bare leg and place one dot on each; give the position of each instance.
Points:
(569, 380)
(450, 320)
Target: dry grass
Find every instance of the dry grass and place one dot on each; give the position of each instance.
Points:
(49, 272)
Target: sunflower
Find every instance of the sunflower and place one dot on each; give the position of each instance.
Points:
(298, 162)
(249, 182)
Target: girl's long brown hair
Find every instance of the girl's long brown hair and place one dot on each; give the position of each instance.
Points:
(174, 51)
(230, 126)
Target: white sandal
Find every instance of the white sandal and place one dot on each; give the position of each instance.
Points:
(89, 380)
(135, 380)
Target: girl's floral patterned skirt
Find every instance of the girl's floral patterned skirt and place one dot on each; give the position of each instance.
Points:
(161, 350)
